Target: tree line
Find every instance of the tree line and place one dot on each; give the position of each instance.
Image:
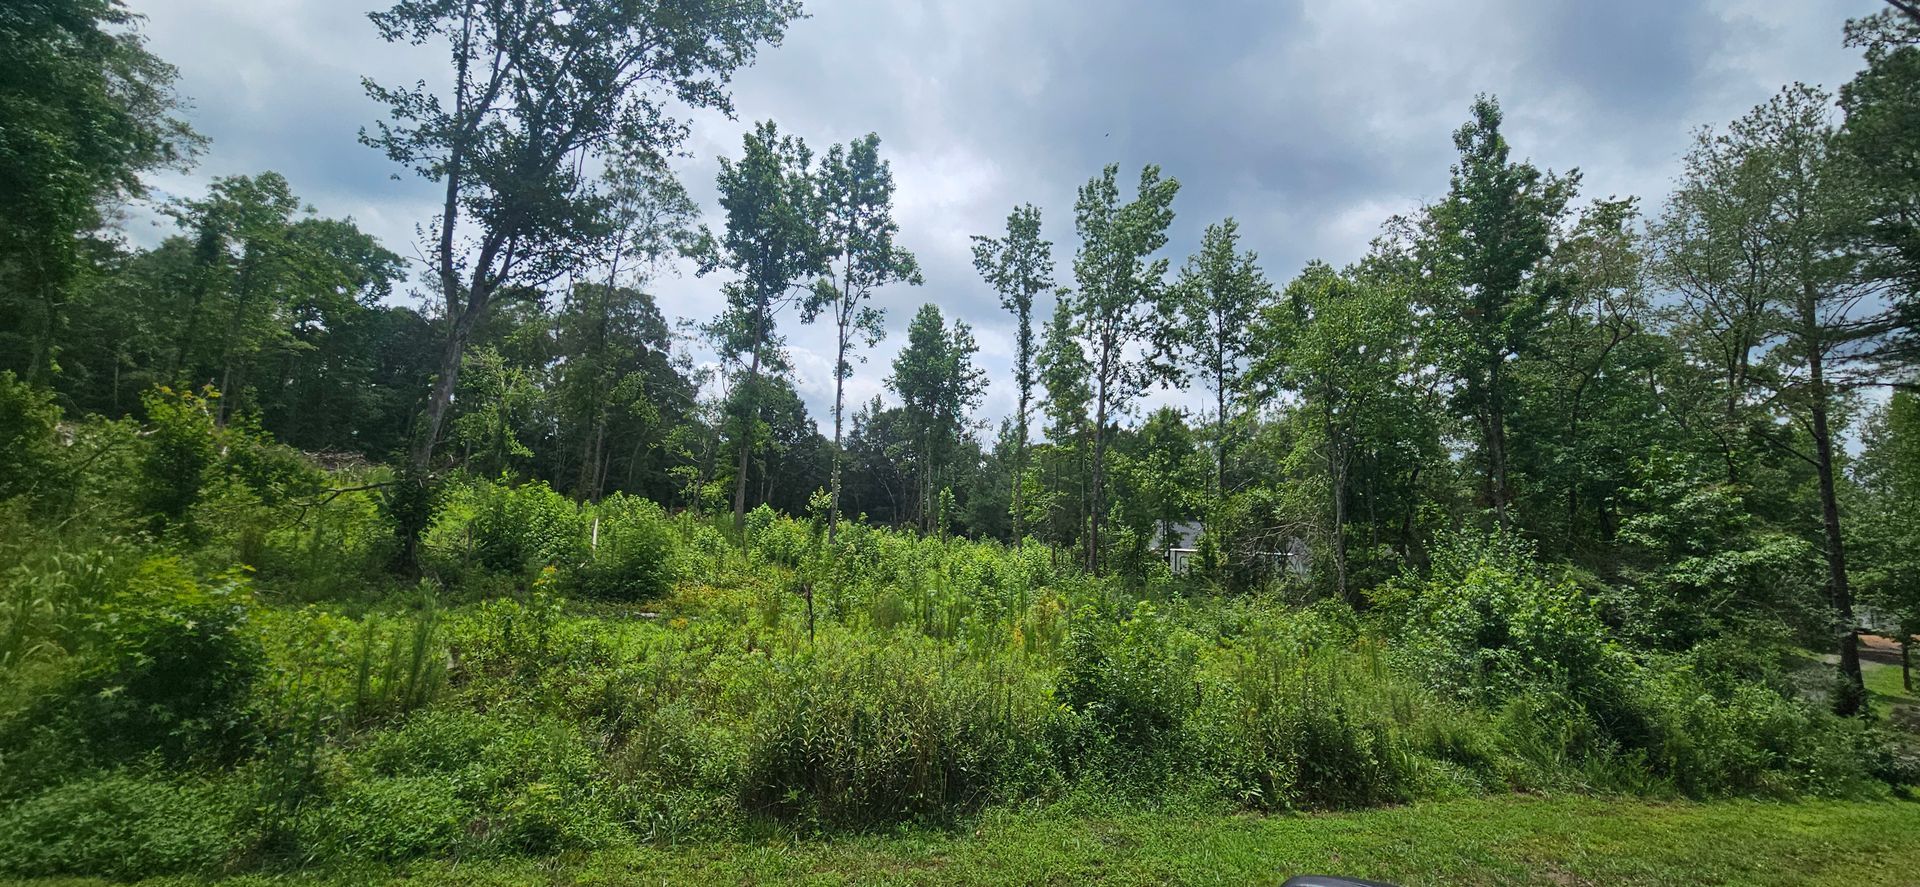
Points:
(1660, 395)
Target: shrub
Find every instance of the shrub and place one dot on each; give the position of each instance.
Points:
(632, 559)
(1285, 730)
(28, 455)
(178, 665)
(1131, 682)
(460, 780)
(518, 530)
(777, 539)
(180, 450)
(887, 733)
(53, 586)
(1487, 624)
(388, 818)
(122, 825)
(1744, 738)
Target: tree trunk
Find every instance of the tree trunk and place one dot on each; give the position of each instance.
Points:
(441, 397)
(1220, 429)
(1906, 666)
(1497, 445)
(1337, 479)
(1854, 695)
(1016, 495)
(748, 412)
(1099, 482)
(839, 410)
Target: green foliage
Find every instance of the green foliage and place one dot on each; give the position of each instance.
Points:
(178, 663)
(28, 457)
(519, 529)
(1488, 623)
(633, 557)
(124, 825)
(1290, 729)
(181, 450)
(87, 111)
(1131, 682)
(1700, 565)
(903, 731)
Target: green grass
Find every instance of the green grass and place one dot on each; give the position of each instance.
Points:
(1510, 840)
(1883, 681)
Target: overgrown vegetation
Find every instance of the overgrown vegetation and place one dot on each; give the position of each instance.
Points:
(1538, 497)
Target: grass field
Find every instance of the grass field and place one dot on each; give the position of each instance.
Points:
(1512, 840)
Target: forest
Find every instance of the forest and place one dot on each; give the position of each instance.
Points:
(334, 558)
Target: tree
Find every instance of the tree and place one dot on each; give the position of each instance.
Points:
(237, 302)
(1711, 247)
(1485, 245)
(1018, 266)
(612, 338)
(1065, 374)
(1343, 343)
(856, 190)
(84, 111)
(1165, 474)
(1888, 473)
(538, 88)
(1215, 302)
(1585, 406)
(1117, 304)
(1814, 329)
(1879, 139)
(938, 384)
(773, 243)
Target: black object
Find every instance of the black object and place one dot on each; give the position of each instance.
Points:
(1331, 881)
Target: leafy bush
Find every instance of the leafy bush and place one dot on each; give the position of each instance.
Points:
(177, 667)
(28, 454)
(457, 780)
(388, 818)
(519, 529)
(1745, 739)
(1132, 684)
(180, 451)
(1487, 624)
(1285, 730)
(53, 587)
(122, 825)
(886, 733)
(632, 560)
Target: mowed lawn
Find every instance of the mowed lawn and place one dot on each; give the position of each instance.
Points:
(1508, 840)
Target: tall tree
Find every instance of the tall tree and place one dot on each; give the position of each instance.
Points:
(612, 334)
(1116, 307)
(938, 384)
(1711, 248)
(1791, 208)
(1065, 374)
(84, 110)
(1485, 245)
(1216, 301)
(237, 300)
(1881, 138)
(1586, 406)
(1343, 343)
(773, 244)
(538, 87)
(1018, 266)
(856, 193)
(1888, 472)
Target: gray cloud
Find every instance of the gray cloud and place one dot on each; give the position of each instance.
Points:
(1310, 121)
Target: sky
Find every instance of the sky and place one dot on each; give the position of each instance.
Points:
(1309, 121)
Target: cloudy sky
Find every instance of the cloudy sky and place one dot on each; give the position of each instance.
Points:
(1310, 121)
